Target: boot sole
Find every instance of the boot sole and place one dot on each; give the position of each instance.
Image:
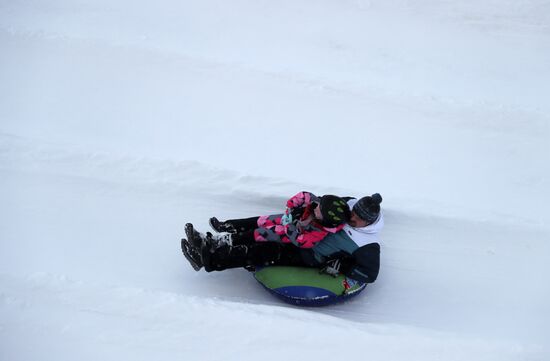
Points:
(191, 234)
(185, 246)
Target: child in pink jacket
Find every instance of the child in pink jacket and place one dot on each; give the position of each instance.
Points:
(307, 220)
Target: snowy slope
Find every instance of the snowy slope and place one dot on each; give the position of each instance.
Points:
(119, 122)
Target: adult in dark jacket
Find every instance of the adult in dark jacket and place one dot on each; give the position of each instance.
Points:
(353, 251)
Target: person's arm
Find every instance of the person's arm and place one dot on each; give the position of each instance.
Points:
(296, 205)
(306, 239)
(309, 239)
(367, 263)
(302, 199)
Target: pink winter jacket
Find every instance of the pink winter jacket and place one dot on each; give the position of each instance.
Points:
(304, 233)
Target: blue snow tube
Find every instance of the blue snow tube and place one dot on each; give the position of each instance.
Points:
(306, 286)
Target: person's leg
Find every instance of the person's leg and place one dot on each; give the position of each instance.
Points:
(234, 225)
(215, 241)
(244, 224)
(253, 236)
(243, 238)
(256, 254)
(248, 256)
(290, 255)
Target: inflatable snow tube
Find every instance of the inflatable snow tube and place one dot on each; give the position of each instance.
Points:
(306, 286)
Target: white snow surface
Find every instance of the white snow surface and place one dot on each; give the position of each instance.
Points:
(120, 121)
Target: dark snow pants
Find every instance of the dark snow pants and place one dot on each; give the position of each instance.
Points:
(252, 255)
(246, 252)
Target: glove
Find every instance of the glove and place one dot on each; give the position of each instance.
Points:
(297, 212)
(332, 268)
(286, 218)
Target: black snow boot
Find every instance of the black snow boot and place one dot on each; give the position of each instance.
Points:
(195, 238)
(247, 256)
(192, 254)
(221, 227)
(234, 225)
(213, 242)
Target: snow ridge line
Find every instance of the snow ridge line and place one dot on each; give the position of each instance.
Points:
(363, 92)
(133, 315)
(23, 155)
(30, 156)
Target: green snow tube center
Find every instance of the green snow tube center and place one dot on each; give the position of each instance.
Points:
(307, 286)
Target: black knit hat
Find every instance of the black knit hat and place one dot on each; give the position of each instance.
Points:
(335, 211)
(368, 208)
